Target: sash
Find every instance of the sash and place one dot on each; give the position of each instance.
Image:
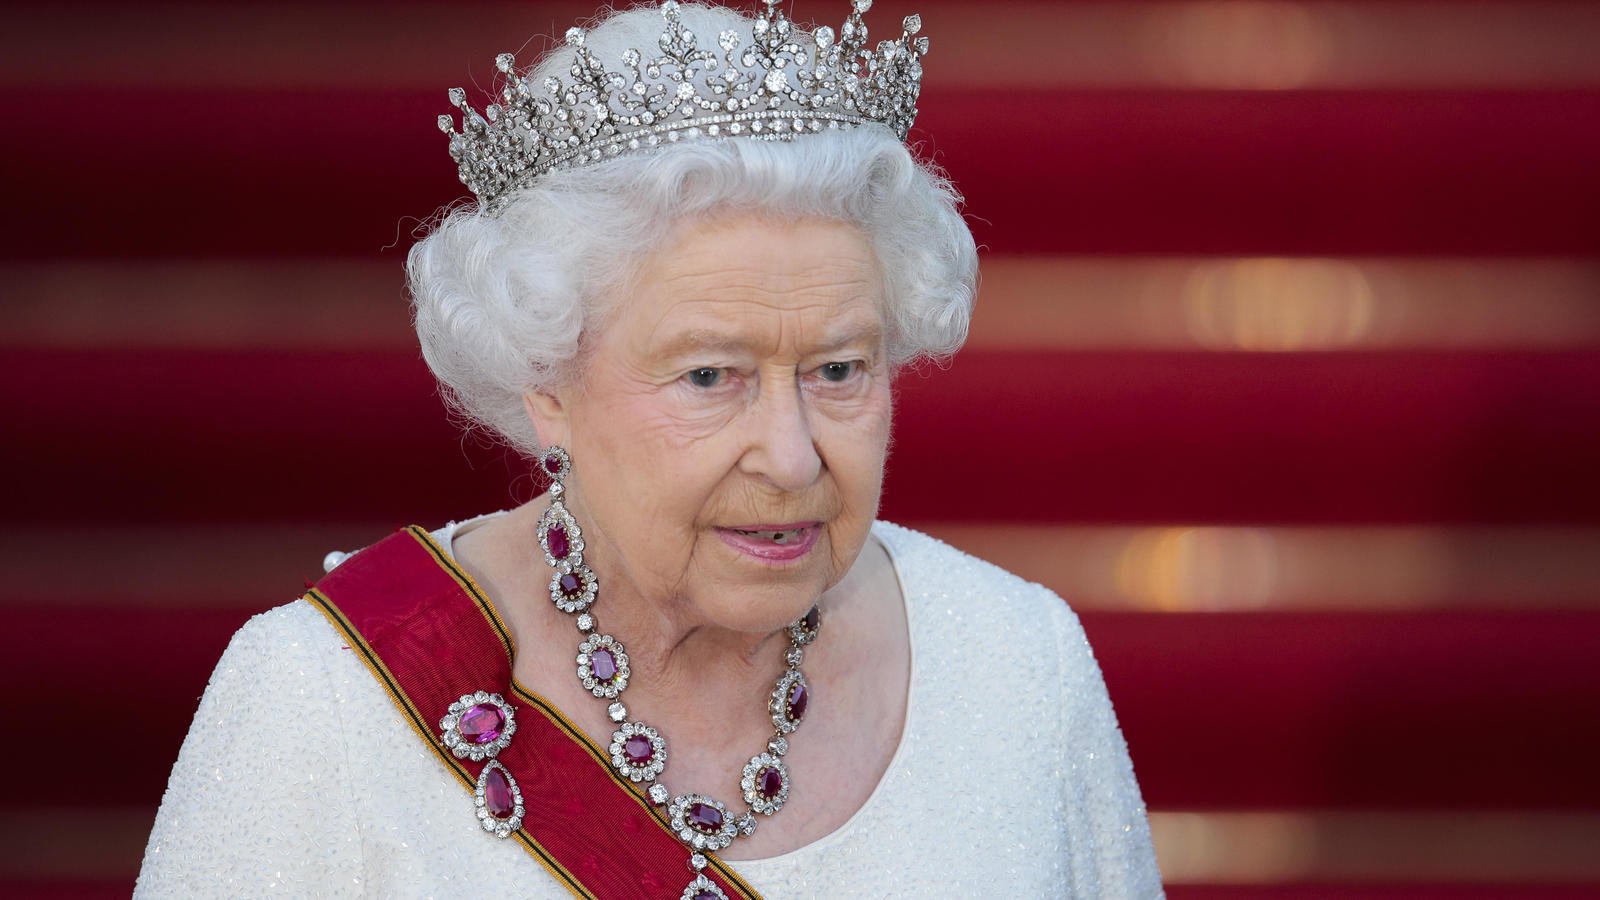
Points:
(429, 635)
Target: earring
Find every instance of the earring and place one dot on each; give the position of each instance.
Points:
(572, 585)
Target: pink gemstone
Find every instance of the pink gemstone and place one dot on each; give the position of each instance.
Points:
(797, 702)
(552, 464)
(704, 817)
(497, 794)
(603, 664)
(571, 585)
(811, 620)
(638, 750)
(481, 723)
(704, 895)
(557, 537)
(771, 783)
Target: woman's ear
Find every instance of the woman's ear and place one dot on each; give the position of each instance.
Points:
(548, 413)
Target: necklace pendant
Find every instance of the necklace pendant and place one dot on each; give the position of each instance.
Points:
(638, 752)
(701, 822)
(603, 666)
(765, 783)
(789, 701)
(573, 587)
(499, 800)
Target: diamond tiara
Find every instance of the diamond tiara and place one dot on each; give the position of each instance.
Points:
(763, 85)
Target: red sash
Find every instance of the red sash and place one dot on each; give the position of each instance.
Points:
(429, 635)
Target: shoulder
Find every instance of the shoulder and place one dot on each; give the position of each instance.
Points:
(276, 666)
(270, 643)
(249, 767)
(284, 628)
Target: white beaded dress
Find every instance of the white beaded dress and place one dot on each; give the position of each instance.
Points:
(299, 776)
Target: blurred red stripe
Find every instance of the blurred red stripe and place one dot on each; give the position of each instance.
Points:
(346, 171)
(1251, 438)
(134, 673)
(1441, 709)
(134, 435)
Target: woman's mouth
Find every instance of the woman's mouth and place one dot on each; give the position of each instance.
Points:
(782, 542)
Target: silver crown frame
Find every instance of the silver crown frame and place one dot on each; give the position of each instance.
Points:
(763, 86)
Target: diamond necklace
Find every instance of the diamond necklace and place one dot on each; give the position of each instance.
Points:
(638, 751)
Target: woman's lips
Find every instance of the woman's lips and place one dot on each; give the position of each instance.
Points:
(772, 542)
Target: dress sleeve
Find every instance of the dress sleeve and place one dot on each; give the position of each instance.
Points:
(1109, 831)
(258, 802)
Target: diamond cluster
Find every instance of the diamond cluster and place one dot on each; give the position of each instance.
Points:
(771, 84)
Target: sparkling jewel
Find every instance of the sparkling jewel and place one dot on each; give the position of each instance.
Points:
(638, 752)
(554, 463)
(796, 704)
(770, 783)
(498, 799)
(478, 726)
(481, 723)
(638, 749)
(659, 794)
(497, 794)
(571, 584)
(603, 664)
(765, 784)
(585, 622)
(704, 817)
(617, 712)
(790, 697)
(559, 548)
(697, 861)
(778, 745)
(804, 630)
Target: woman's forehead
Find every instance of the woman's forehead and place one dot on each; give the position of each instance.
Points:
(744, 283)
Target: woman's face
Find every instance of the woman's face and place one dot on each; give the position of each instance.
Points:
(729, 432)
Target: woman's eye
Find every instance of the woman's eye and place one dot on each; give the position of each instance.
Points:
(705, 378)
(838, 371)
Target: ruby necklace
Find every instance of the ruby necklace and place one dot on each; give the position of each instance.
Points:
(638, 751)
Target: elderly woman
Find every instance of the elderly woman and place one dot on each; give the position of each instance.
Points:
(696, 667)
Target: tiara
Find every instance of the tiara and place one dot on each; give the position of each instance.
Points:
(762, 85)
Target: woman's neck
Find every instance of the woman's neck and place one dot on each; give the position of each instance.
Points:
(692, 672)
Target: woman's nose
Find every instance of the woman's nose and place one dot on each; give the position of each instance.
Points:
(781, 447)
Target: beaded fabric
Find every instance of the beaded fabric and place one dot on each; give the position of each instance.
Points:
(771, 83)
(299, 776)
